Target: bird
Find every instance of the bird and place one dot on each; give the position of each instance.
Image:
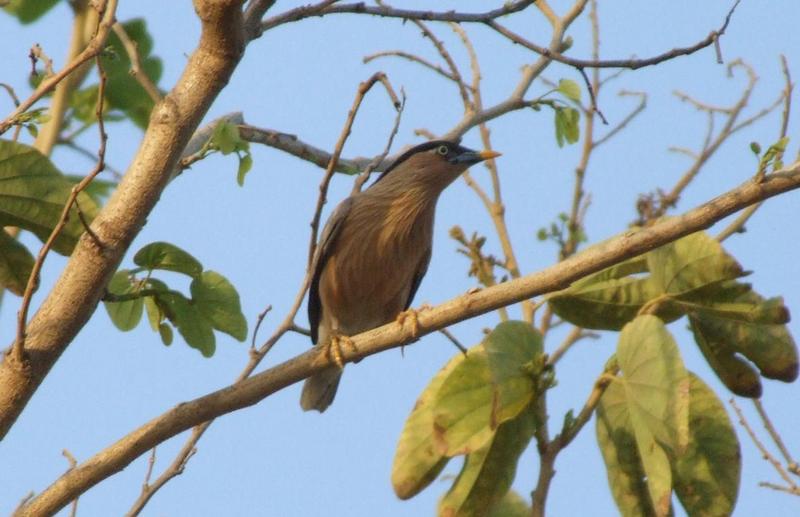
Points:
(373, 253)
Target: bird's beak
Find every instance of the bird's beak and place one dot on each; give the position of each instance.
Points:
(473, 157)
(485, 155)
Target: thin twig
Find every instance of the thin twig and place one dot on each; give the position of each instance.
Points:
(92, 50)
(449, 335)
(627, 119)
(325, 8)
(72, 463)
(362, 178)
(363, 88)
(575, 335)
(413, 58)
(633, 64)
(761, 448)
(259, 321)
(18, 352)
(791, 463)
(451, 64)
(548, 456)
(138, 73)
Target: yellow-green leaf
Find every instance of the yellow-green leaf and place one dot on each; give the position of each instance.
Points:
(655, 380)
(570, 89)
(492, 385)
(608, 299)
(488, 472)
(753, 330)
(417, 460)
(707, 477)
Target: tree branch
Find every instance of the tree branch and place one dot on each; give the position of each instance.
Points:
(75, 295)
(633, 64)
(325, 8)
(254, 389)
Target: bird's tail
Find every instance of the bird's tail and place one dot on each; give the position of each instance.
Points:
(320, 389)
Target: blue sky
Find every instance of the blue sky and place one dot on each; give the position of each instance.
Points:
(273, 459)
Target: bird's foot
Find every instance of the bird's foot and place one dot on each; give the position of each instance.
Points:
(412, 316)
(335, 347)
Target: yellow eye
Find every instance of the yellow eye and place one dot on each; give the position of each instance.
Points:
(443, 150)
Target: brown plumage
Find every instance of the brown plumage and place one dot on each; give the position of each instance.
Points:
(374, 251)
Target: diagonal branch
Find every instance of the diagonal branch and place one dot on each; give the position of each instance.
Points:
(254, 389)
(74, 297)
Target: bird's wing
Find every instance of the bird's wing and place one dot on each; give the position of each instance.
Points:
(329, 234)
(422, 268)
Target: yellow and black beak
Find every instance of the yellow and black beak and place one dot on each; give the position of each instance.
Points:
(473, 157)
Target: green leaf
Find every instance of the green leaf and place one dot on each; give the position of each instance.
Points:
(745, 324)
(560, 121)
(154, 315)
(737, 374)
(487, 473)
(626, 476)
(463, 406)
(773, 152)
(643, 416)
(608, 299)
(707, 477)
(16, 263)
(226, 137)
(245, 164)
(570, 89)
(511, 505)
(572, 129)
(28, 11)
(166, 256)
(123, 91)
(755, 147)
(417, 461)
(33, 194)
(124, 315)
(192, 325)
(691, 263)
(490, 386)
(165, 331)
(513, 349)
(218, 301)
(656, 381)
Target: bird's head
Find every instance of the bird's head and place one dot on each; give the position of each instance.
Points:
(432, 165)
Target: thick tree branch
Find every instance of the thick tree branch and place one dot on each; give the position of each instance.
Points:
(73, 299)
(252, 390)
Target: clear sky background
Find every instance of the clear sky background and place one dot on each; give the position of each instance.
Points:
(273, 459)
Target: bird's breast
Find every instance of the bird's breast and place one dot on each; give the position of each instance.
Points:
(367, 279)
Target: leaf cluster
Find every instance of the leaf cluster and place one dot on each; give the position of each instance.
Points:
(33, 193)
(213, 303)
(478, 406)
